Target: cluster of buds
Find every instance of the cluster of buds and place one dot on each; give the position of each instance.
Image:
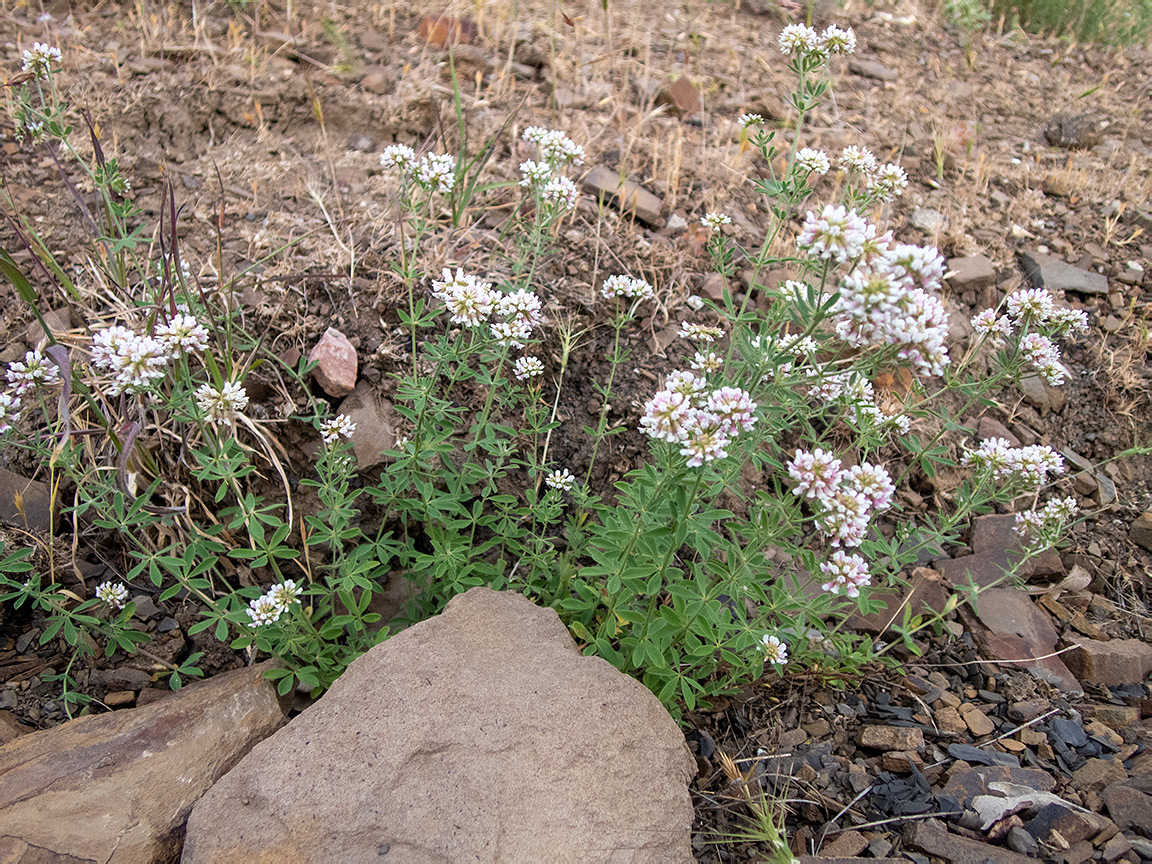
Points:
(845, 499)
(268, 607)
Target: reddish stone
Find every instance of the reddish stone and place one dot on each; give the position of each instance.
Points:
(335, 360)
(1112, 663)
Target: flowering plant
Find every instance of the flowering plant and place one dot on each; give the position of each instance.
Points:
(773, 504)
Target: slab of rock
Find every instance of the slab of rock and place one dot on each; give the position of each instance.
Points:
(375, 420)
(990, 427)
(1129, 809)
(481, 735)
(933, 839)
(1112, 663)
(604, 183)
(1141, 531)
(872, 69)
(681, 97)
(335, 360)
(926, 595)
(117, 787)
(1096, 775)
(1074, 131)
(58, 320)
(1012, 628)
(1045, 271)
(892, 738)
(971, 274)
(25, 503)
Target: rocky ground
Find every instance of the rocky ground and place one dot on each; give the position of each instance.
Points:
(1021, 726)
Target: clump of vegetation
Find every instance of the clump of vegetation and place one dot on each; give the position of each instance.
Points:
(766, 513)
(1118, 22)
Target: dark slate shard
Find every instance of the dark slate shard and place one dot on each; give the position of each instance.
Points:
(1067, 731)
(974, 755)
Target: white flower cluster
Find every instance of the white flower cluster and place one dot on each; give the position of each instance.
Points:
(806, 42)
(112, 593)
(41, 59)
(886, 299)
(811, 161)
(334, 428)
(268, 607)
(35, 370)
(436, 172)
(139, 361)
(1029, 465)
(715, 221)
(626, 286)
(1044, 524)
(561, 479)
(221, 405)
(9, 411)
(845, 500)
(556, 148)
(527, 367)
(775, 651)
(471, 301)
(556, 151)
(702, 422)
(700, 332)
(885, 181)
(1033, 308)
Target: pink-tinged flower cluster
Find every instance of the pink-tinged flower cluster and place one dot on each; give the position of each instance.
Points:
(1045, 523)
(995, 328)
(847, 574)
(882, 304)
(1034, 312)
(837, 233)
(1042, 353)
(844, 500)
(1030, 465)
(702, 422)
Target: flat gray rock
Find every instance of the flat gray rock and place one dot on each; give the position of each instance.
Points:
(479, 735)
(1045, 271)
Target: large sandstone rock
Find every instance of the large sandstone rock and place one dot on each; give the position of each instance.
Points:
(118, 787)
(479, 735)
